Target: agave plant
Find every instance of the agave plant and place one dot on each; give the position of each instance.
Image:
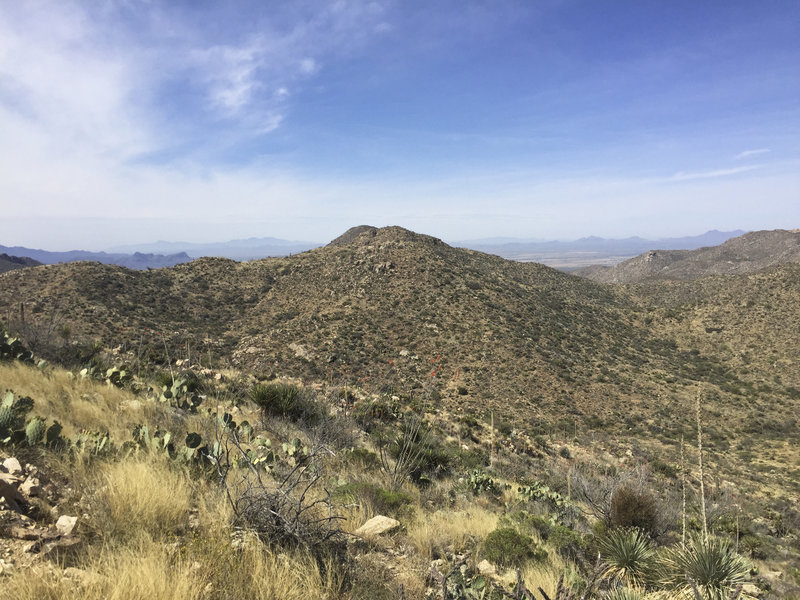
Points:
(628, 556)
(624, 593)
(707, 570)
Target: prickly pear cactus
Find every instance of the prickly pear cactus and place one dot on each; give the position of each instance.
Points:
(53, 436)
(94, 442)
(35, 430)
(7, 418)
(12, 414)
(12, 349)
(118, 376)
(22, 406)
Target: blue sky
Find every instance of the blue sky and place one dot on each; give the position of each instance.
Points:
(131, 121)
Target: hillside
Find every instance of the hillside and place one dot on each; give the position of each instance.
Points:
(524, 374)
(385, 308)
(747, 253)
(9, 263)
(390, 310)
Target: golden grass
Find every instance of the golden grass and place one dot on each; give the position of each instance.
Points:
(546, 575)
(78, 403)
(151, 570)
(431, 533)
(141, 494)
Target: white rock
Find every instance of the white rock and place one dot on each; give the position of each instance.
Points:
(751, 590)
(30, 487)
(12, 466)
(377, 526)
(66, 524)
(486, 568)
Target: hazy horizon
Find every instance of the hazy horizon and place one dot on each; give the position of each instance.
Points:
(130, 122)
(488, 240)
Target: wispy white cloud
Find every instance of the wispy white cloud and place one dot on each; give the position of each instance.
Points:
(134, 79)
(684, 176)
(748, 153)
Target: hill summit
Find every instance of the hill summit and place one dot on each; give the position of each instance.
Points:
(391, 309)
(740, 255)
(367, 234)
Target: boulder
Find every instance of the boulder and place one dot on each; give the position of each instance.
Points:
(11, 495)
(30, 487)
(486, 568)
(66, 524)
(377, 526)
(751, 589)
(11, 465)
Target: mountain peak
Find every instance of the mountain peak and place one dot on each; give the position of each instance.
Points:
(367, 234)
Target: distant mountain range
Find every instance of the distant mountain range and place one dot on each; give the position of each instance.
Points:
(589, 249)
(137, 260)
(567, 255)
(244, 249)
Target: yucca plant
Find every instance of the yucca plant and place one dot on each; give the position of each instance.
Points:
(624, 593)
(628, 556)
(708, 570)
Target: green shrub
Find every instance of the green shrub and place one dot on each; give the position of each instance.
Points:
(634, 508)
(528, 523)
(506, 547)
(567, 542)
(382, 501)
(364, 458)
(666, 469)
(373, 413)
(474, 458)
(284, 400)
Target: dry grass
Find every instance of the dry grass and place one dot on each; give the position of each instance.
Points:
(546, 575)
(143, 494)
(151, 570)
(78, 403)
(431, 533)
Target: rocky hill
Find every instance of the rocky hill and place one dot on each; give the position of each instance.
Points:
(382, 307)
(472, 338)
(747, 253)
(9, 263)
(388, 309)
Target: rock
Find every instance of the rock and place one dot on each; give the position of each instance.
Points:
(30, 487)
(299, 350)
(23, 533)
(12, 466)
(751, 589)
(11, 495)
(377, 526)
(62, 547)
(486, 568)
(66, 524)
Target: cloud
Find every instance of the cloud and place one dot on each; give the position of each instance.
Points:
(684, 176)
(138, 79)
(748, 153)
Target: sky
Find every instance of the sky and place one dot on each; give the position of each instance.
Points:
(126, 121)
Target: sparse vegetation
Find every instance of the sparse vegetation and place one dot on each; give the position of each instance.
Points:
(239, 455)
